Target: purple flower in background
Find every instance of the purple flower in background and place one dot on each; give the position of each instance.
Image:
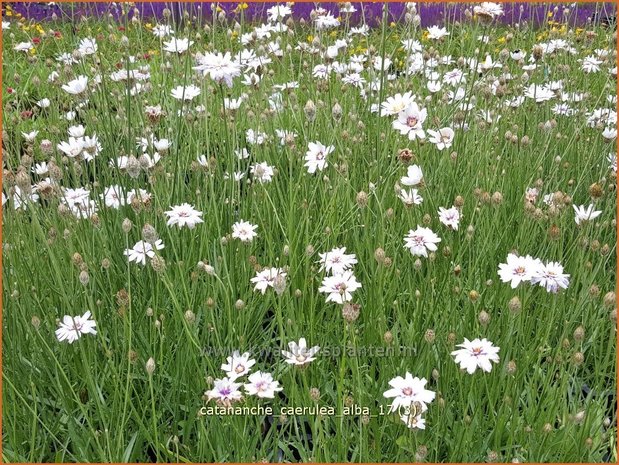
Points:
(369, 13)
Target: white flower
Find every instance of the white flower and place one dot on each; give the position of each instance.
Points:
(73, 147)
(591, 64)
(22, 199)
(588, 214)
(87, 46)
(316, 156)
(262, 172)
(244, 231)
(340, 287)
(219, 67)
(551, 277)
(262, 385)
(488, 9)
(443, 138)
(337, 261)
(539, 92)
(30, 136)
(44, 103)
(238, 365)
(609, 133)
(420, 241)
(413, 421)
(113, 197)
(141, 250)
(476, 353)
(266, 278)
(23, 46)
(76, 86)
(518, 269)
(410, 121)
(177, 45)
(397, 103)
(410, 197)
(71, 328)
(184, 215)
(225, 391)
(299, 354)
(449, 217)
(278, 12)
(409, 391)
(414, 176)
(185, 92)
(435, 32)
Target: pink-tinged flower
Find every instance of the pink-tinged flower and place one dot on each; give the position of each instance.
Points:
(449, 217)
(262, 385)
(267, 278)
(71, 328)
(316, 156)
(551, 277)
(420, 241)
(340, 287)
(225, 391)
(476, 353)
(410, 122)
(244, 231)
(337, 261)
(184, 215)
(409, 391)
(518, 269)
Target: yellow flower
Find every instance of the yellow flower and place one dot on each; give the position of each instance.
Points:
(243, 6)
(310, 38)
(501, 40)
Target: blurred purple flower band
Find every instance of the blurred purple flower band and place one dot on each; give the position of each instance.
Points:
(578, 13)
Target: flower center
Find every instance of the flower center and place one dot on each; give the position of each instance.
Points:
(411, 121)
(407, 391)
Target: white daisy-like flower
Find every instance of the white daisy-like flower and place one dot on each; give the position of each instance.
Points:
(71, 328)
(262, 385)
(184, 215)
(238, 365)
(143, 250)
(420, 241)
(299, 354)
(244, 231)
(478, 353)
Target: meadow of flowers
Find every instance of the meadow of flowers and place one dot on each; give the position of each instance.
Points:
(308, 239)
